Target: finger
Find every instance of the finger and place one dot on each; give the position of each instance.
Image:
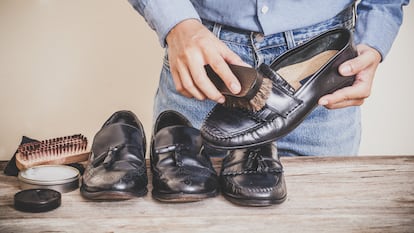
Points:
(188, 84)
(366, 57)
(345, 103)
(219, 60)
(356, 92)
(337, 97)
(224, 72)
(220, 65)
(177, 82)
(353, 66)
(231, 81)
(203, 82)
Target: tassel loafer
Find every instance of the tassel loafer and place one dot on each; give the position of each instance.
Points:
(253, 176)
(300, 77)
(116, 168)
(181, 168)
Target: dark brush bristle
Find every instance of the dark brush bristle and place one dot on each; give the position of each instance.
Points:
(256, 103)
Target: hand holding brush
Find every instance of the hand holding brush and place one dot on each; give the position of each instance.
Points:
(255, 88)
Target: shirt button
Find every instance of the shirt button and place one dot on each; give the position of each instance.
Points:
(265, 9)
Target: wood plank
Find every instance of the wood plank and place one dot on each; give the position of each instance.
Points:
(325, 194)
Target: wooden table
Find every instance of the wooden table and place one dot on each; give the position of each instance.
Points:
(325, 194)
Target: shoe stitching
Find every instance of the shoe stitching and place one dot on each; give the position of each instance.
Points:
(216, 134)
(238, 190)
(247, 172)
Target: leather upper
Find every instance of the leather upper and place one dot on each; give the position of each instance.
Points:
(117, 161)
(253, 174)
(285, 109)
(177, 159)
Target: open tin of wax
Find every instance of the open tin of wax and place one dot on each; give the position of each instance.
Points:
(61, 178)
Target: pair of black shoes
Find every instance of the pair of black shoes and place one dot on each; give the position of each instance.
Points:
(251, 173)
(180, 164)
(117, 170)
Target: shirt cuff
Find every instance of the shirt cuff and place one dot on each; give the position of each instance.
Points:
(163, 15)
(378, 35)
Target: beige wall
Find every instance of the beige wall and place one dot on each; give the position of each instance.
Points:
(66, 66)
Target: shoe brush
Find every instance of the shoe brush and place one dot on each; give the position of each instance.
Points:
(62, 150)
(255, 88)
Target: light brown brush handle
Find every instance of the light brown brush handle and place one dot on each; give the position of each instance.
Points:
(23, 164)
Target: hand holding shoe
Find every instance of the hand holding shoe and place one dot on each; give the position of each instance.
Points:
(363, 67)
(300, 77)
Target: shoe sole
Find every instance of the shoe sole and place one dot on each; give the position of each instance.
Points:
(255, 202)
(112, 195)
(182, 197)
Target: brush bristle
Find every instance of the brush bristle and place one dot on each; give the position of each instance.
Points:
(62, 150)
(259, 100)
(256, 103)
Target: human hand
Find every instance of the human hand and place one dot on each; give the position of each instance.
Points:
(190, 47)
(364, 67)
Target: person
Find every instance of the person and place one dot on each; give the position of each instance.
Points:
(248, 33)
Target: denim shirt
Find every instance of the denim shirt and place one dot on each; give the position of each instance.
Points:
(377, 25)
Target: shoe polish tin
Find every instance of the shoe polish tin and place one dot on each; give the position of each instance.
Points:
(37, 200)
(61, 178)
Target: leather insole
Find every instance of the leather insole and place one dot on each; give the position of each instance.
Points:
(295, 73)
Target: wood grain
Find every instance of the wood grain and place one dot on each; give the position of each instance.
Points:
(325, 194)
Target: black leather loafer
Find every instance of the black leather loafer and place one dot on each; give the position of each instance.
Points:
(253, 176)
(182, 172)
(300, 77)
(116, 169)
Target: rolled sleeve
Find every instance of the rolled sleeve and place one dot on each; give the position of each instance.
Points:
(378, 24)
(163, 15)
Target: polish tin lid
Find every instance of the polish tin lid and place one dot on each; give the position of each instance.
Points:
(37, 200)
(61, 178)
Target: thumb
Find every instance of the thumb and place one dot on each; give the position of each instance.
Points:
(351, 67)
(366, 57)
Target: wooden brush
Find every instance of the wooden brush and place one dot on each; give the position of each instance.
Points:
(62, 150)
(255, 88)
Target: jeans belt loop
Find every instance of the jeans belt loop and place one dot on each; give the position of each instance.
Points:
(217, 29)
(354, 14)
(290, 40)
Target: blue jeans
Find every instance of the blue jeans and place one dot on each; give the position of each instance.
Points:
(324, 132)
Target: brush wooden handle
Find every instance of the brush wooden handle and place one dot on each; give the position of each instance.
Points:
(250, 81)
